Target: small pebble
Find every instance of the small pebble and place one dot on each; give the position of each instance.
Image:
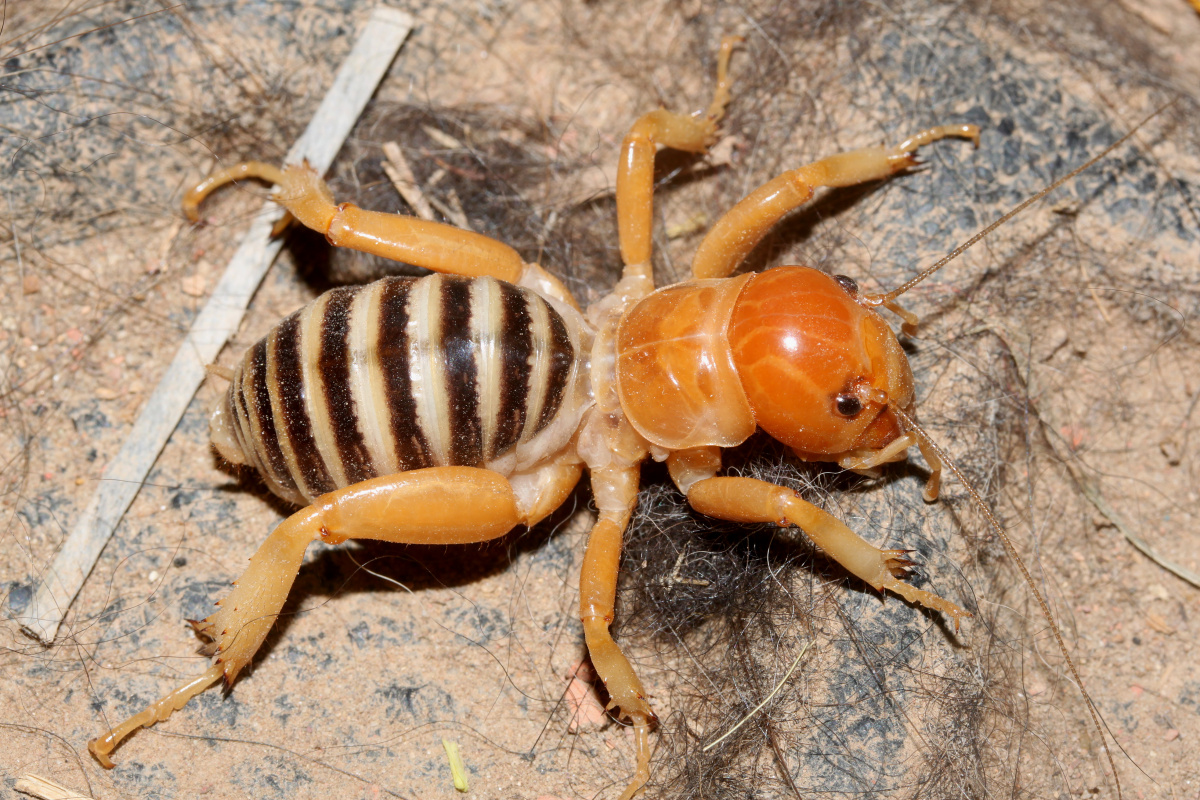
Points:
(193, 285)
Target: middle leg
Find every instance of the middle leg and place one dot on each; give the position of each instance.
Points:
(738, 232)
(615, 491)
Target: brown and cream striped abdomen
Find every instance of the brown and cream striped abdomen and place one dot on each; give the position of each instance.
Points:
(402, 374)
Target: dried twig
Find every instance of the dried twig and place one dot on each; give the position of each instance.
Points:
(401, 175)
(45, 789)
(1092, 493)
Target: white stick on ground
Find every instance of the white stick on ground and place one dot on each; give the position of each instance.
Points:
(46, 789)
(355, 83)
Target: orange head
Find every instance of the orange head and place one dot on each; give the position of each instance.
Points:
(819, 369)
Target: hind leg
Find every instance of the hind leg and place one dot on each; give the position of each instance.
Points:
(433, 245)
(423, 243)
(441, 505)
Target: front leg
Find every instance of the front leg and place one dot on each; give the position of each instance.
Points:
(616, 493)
(750, 500)
(864, 461)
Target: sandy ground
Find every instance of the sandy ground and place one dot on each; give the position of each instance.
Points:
(1056, 362)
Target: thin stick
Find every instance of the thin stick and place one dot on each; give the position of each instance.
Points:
(401, 175)
(355, 83)
(46, 789)
(759, 707)
(453, 209)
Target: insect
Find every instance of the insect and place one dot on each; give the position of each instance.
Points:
(454, 407)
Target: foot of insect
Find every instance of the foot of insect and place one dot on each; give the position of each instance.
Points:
(897, 451)
(101, 746)
(616, 494)
(626, 693)
(750, 500)
(440, 505)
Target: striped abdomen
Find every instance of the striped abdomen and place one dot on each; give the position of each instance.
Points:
(402, 374)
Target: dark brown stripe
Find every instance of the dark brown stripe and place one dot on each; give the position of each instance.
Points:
(459, 351)
(267, 444)
(334, 366)
(561, 354)
(289, 387)
(412, 448)
(516, 350)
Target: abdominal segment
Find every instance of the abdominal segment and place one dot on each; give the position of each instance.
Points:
(401, 374)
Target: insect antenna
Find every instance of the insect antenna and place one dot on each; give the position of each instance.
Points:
(911, 424)
(886, 299)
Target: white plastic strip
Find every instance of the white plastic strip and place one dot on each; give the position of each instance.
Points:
(355, 83)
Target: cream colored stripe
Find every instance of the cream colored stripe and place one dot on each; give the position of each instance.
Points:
(539, 374)
(427, 367)
(367, 381)
(250, 424)
(486, 315)
(311, 324)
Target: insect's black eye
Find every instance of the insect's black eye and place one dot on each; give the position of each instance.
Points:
(847, 283)
(848, 405)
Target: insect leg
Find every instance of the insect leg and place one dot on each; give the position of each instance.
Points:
(864, 460)
(933, 486)
(238, 172)
(433, 245)
(750, 500)
(616, 493)
(635, 168)
(741, 228)
(439, 505)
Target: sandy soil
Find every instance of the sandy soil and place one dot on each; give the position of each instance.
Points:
(1056, 362)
